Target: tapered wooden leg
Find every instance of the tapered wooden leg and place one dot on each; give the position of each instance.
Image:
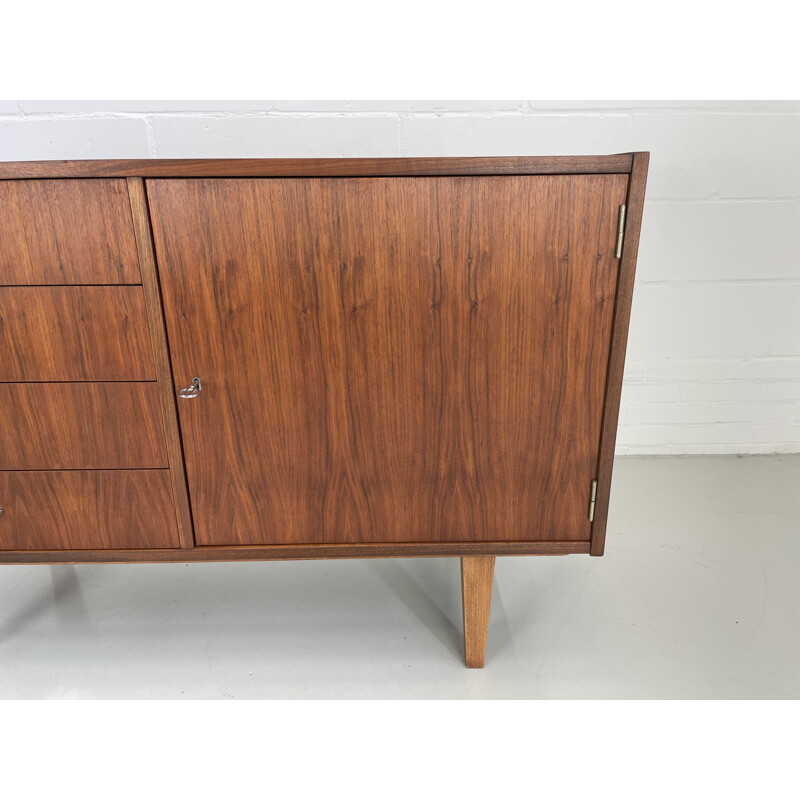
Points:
(477, 576)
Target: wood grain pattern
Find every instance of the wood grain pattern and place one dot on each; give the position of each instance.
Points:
(81, 426)
(152, 293)
(619, 341)
(317, 167)
(390, 361)
(477, 578)
(66, 232)
(295, 552)
(25, 207)
(77, 510)
(74, 333)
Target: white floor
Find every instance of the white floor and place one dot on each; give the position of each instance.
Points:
(697, 597)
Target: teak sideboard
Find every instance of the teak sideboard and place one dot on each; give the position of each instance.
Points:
(313, 358)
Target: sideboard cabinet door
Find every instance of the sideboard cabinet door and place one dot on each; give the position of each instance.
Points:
(389, 359)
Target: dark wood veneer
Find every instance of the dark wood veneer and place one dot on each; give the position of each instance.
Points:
(60, 218)
(316, 167)
(373, 356)
(619, 341)
(297, 552)
(155, 314)
(74, 333)
(86, 510)
(65, 232)
(81, 426)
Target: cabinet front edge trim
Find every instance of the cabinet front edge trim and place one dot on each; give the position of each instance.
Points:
(316, 167)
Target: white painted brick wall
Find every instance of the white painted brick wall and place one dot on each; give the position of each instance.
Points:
(714, 355)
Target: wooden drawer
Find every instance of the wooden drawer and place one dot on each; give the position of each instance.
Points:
(83, 510)
(66, 231)
(74, 333)
(81, 426)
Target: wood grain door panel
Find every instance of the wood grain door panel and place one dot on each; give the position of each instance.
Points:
(86, 510)
(74, 333)
(81, 426)
(390, 360)
(66, 232)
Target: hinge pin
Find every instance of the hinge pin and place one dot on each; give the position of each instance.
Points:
(593, 501)
(620, 231)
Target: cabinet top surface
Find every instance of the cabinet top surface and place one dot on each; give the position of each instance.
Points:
(316, 167)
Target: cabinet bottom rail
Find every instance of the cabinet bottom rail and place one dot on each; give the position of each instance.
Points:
(296, 552)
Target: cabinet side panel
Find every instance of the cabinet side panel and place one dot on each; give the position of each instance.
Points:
(619, 341)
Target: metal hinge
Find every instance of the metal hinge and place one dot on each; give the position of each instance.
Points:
(620, 230)
(593, 500)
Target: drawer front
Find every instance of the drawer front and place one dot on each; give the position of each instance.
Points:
(81, 426)
(66, 231)
(86, 510)
(74, 333)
